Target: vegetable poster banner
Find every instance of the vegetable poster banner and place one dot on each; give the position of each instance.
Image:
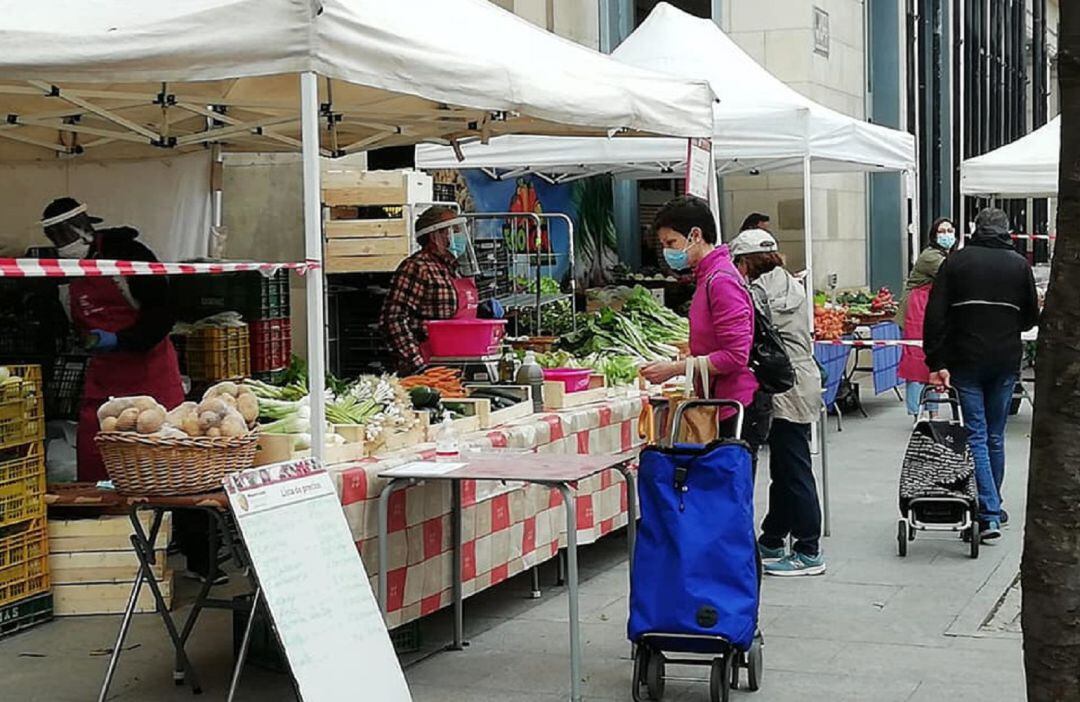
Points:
(524, 194)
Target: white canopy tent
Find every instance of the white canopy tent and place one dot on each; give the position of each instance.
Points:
(760, 123)
(1028, 167)
(112, 79)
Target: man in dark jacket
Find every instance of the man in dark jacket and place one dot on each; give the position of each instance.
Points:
(983, 299)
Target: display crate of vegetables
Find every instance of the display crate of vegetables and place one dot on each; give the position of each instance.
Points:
(22, 483)
(644, 330)
(21, 405)
(189, 449)
(507, 403)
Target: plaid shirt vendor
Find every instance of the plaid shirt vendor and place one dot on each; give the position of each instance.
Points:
(428, 285)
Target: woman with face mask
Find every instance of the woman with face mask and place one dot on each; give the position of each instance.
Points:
(125, 323)
(721, 312)
(428, 285)
(913, 369)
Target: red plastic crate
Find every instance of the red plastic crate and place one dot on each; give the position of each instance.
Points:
(271, 344)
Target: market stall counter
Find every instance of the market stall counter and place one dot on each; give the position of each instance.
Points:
(506, 528)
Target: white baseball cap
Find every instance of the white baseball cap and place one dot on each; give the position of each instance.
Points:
(752, 241)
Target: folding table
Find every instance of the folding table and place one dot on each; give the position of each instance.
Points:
(558, 471)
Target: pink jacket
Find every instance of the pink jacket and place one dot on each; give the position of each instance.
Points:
(912, 359)
(722, 326)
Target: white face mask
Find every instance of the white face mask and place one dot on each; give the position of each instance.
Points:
(75, 249)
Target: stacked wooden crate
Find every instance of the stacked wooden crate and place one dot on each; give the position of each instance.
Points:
(24, 546)
(369, 214)
(93, 564)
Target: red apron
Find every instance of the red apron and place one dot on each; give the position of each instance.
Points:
(468, 301)
(99, 303)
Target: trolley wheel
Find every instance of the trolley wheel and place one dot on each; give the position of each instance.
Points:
(720, 677)
(902, 537)
(973, 533)
(755, 664)
(641, 663)
(654, 675)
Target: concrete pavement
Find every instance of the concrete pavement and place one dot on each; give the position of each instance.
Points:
(875, 627)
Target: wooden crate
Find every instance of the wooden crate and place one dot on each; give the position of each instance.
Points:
(556, 397)
(276, 448)
(498, 417)
(356, 244)
(107, 598)
(105, 533)
(100, 566)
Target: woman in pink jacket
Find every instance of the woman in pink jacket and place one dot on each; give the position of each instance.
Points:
(721, 312)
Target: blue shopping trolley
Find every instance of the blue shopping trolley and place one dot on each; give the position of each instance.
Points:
(695, 580)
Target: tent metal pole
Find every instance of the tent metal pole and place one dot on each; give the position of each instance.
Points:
(313, 251)
(808, 242)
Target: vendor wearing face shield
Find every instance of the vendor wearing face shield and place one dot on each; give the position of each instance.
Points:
(125, 322)
(428, 285)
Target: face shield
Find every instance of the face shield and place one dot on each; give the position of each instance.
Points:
(459, 242)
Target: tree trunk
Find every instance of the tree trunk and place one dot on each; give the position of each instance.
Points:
(1051, 563)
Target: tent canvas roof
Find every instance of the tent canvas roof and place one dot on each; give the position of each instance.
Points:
(759, 121)
(1028, 167)
(121, 79)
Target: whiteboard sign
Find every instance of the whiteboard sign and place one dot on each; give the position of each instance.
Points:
(314, 583)
(698, 157)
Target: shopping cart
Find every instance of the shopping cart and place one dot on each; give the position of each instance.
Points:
(695, 579)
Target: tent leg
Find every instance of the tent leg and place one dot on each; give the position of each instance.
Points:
(313, 249)
(808, 243)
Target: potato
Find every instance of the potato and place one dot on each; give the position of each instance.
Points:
(113, 408)
(150, 420)
(233, 425)
(178, 414)
(190, 425)
(225, 387)
(128, 419)
(108, 424)
(248, 406)
(144, 402)
(214, 405)
(229, 400)
(207, 420)
(213, 432)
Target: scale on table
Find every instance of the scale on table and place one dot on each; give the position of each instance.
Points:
(483, 369)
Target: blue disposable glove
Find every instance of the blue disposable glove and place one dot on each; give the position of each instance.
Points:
(490, 309)
(101, 340)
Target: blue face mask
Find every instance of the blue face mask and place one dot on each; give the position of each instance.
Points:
(946, 240)
(458, 243)
(678, 259)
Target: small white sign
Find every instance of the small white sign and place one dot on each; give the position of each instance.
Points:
(698, 172)
(421, 469)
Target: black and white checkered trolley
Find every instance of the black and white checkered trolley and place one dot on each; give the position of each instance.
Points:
(937, 479)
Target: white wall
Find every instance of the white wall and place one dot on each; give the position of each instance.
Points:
(779, 35)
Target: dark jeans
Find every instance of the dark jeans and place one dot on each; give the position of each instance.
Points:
(985, 399)
(757, 419)
(793, 499)
(191, 532)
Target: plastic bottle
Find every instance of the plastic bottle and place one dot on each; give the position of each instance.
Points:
(530, 373)
(446, 445)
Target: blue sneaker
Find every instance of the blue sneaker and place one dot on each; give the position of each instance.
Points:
(771, 555)
(797, 564)
(990, 532)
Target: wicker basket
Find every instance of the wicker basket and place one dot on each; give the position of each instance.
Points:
(147, 465)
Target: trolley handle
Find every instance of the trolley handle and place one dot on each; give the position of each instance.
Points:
(949, 397)
(676, 422)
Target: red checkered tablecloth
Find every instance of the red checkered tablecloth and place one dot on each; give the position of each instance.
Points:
(507, 529)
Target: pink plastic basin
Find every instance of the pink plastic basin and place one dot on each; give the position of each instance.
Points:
(465, 338)
(573, 379)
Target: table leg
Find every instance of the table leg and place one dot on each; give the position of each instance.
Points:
(204, 591)
(384, 528)
(823, 427)
(572, 590)
(631, 510)
(114, 657)
(458, 586)
(244, 643)
(534, 574)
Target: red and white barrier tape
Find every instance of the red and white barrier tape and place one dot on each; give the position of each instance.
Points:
(88, 267)
(870, 343)
(1036, 237)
